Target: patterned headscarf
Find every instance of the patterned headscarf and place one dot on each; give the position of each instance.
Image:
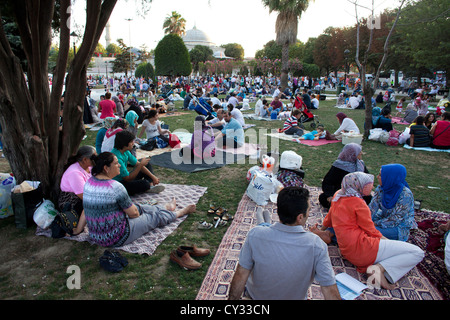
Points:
(353, 185)
(108, 122)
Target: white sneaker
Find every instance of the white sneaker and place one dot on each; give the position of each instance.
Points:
(156, 189)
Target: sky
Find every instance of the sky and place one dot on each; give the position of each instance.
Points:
(246, 22)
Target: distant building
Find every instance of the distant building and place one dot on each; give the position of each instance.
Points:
(194, 37)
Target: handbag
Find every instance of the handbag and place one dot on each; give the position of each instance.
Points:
(64, 222)
(149, 145)
(24, 206)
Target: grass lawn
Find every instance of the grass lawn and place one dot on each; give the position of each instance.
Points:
(35, 267)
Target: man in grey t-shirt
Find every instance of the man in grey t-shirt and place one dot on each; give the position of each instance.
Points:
(281, 261)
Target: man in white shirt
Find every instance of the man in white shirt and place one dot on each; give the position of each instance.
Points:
(280, 261)
(233, 100)
(353, 102)
(314, 102)
(276, 93)
(215, 100)
(236, 114)
(218, 122)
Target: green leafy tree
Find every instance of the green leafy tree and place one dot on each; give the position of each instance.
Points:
(34, 146)
(234, 50)
(125, 60)
(200, 54)
(112, 49)
(172, 57)
(286, 27)
(145, 70)
(424, 26)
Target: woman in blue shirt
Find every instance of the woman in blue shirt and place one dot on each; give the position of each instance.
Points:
(392, 205)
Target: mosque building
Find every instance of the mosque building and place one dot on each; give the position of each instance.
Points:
(194, 37)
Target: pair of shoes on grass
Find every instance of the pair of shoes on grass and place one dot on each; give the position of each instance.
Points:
(183, 256)
(113, 261)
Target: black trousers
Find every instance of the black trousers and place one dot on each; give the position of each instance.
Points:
(140, 184)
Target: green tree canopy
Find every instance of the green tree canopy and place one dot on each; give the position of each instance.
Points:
(234, 50)
(200, 54)
(172, 57)
(145, 70)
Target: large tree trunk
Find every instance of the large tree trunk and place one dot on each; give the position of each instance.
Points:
(29, 113)
(284, 66)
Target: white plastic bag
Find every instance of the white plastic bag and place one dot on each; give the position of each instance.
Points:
(405, 135)
(375, 134)
(45, 214)
(260, 188)
(7, 183)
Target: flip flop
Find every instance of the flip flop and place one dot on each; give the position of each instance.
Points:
(212, 209)
(203, 225)
(221, 211)
(227, 217)
(218, 222)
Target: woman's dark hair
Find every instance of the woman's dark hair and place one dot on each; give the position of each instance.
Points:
(427, 117)
(446, 116)
(83, 152)
(100, 161)
(200, 119)
(291, 202)
(123, 138)
(151, 113)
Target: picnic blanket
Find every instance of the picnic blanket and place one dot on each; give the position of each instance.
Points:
(310, 143)
(428, 238)
(216, 284)
(174, 160)
(255, 117)
(425, 149)
(147, 244)
(282, 135)
(399, 120)
(247, 149)
(315, 143)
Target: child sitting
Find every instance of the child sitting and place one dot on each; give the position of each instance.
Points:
(291, 124)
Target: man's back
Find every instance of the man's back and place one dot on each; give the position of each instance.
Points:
(284, 262)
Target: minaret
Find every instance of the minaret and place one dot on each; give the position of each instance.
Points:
(108, 35)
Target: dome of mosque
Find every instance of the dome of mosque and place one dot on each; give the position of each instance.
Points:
(195, 37)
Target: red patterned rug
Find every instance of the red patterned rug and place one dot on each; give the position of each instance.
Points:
(216, 284)
(431, 241)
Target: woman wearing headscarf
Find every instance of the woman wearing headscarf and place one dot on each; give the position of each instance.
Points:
(132, 119)
(119, 106)
(345, 125)
(349, 160)
(110, 134)
(392, 205)
(376, 114)
(107, 124)
(385, 261)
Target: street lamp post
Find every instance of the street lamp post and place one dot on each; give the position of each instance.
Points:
(73, 34)
(129, 35)
(346, 53)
